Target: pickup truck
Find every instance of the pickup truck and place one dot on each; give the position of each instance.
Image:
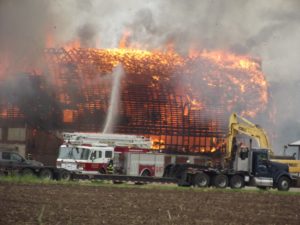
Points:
(12, 163)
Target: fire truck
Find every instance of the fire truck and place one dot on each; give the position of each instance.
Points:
(91, 153)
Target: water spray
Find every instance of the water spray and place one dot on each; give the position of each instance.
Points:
(114, 102)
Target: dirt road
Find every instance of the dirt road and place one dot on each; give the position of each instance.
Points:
(78, 204)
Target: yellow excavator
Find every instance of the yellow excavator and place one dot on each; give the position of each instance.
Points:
(240, 125)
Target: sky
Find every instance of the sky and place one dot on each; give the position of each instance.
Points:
(269, 30)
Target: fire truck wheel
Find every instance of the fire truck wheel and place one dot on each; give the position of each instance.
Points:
(46, 174)
(146, 173)
(221, 181)
(64, 175)
(237, 182)
(201, 180)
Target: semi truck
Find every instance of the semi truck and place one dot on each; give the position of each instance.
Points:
(243, 165)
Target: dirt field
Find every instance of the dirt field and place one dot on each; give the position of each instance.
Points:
(78, 204)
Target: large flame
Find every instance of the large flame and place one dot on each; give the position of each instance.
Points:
(169, 94)
(236, 81)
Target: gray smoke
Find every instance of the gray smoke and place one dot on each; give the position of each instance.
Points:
(23, 30)
(266, 29)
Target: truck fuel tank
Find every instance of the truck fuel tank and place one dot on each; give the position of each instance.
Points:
(263, 181)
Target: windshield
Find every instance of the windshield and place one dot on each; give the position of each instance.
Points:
(64, 152)
(73, 153)
(80, 153)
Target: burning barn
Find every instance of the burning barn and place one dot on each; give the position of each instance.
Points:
(181, 102)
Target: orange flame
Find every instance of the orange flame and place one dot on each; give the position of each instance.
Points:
(124, 39)
(72, 44)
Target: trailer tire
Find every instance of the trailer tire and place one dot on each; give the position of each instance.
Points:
(284, 183)
(201, 180)
(64, 175)
(46, 174)
(27, 172)
(221, 181)
(237, 182)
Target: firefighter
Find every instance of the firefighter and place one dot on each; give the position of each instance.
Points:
(110, 167)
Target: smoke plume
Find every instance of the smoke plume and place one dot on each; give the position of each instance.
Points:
(263, 29)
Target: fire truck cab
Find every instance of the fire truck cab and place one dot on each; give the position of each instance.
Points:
(85, 159)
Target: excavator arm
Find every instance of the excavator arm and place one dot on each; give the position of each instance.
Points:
(237, 125)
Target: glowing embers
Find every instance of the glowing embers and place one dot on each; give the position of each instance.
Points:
(10, 112)
(68, 116)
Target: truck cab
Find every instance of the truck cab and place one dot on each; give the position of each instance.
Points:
(10, 158)
(85, 159)
(260, 171)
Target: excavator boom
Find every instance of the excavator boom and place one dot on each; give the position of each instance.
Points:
(238, 124)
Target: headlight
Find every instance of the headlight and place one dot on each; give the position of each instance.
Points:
(58, 164)
(80, 166)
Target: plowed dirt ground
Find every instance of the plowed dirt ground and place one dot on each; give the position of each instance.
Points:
(81, 204)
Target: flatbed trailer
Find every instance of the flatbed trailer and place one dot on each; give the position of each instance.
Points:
(124, 178)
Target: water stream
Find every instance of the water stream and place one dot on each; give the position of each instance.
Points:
(114, 101)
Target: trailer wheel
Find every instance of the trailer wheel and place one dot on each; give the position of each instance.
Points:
(201, 180)
(284, 184)
(64, 175)
(237, 182)
(46, 174)
(221, 181)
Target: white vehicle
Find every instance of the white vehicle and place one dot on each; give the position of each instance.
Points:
(90, 153)
(85, 159)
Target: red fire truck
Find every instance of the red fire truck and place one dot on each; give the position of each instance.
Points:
(85, 156)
